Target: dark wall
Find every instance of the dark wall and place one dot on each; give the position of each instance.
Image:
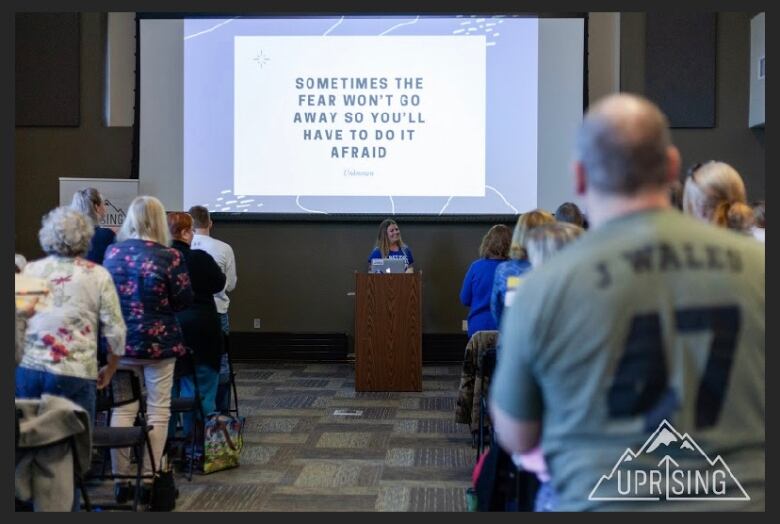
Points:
(731, 140)
(43, 154)
(296, 276)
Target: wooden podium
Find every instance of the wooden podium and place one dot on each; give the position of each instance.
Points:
(388, 332)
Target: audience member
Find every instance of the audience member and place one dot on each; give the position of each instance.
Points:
(390, 245)
(199, 322)
(23, 310)
(569, 212)
(30, 294)
(545, 240)
(518, 263)
(759, 219)
(19, 262)
(21, 317)
(60, 348)
(542, 242)
(223, 255)
(90, 202)
(478, 283)
(60, 341)
(715, 192)
(606, 345)
(153, 284)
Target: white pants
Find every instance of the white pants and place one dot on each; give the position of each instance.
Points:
(157, 378)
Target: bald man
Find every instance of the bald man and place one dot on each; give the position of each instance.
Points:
(648, 328)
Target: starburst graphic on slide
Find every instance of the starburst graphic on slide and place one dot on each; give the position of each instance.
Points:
(261, 59)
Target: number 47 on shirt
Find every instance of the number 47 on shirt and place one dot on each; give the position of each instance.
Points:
(641, 382)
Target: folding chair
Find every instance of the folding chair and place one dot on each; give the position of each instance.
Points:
(185, 367)
(233, 389)
(77, 471)
(470, 388)
(125, 388)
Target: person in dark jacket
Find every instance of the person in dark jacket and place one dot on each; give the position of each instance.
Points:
(90, 202)
(200, 322)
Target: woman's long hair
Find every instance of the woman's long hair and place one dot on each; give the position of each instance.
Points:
(525, 223)
(85, 200)
(715, 192)
(146, 220)
(382, 242)
(495, 243)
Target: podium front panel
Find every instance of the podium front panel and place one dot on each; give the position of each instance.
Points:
(388, 332)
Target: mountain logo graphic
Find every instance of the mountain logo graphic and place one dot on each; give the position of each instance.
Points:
(115, 216)
(668, 466)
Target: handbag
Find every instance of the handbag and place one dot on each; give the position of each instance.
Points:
(500, 485)
(164, 492)
(223, 435)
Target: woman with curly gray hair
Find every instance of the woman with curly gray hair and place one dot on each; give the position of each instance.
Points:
(60, 347)
(60, 344)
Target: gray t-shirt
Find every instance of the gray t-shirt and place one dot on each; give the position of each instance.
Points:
(653, 316)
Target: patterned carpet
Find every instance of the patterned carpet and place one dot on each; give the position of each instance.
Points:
(387, 452)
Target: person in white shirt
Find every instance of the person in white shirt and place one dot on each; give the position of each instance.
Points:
(222, 253)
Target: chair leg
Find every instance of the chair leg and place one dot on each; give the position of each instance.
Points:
(193, 440)
(152, 465)
(233, 388)
(106, 458)
(84, 494)
(139, 457)
(481, 446)
(78, 477)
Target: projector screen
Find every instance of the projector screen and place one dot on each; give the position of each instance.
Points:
(418, 115)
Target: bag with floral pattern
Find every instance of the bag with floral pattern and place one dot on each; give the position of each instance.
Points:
(223, 442)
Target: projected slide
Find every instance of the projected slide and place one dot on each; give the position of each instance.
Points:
(369, 115)
(325, 116)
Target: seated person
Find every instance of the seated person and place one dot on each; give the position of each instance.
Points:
(390, 245)
(518, 259)
(478, 283)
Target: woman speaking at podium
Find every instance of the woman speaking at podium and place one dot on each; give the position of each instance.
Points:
(390, 245)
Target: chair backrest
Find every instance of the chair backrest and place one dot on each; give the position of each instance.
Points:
(484, 339)
(487, 362)
(125, 388)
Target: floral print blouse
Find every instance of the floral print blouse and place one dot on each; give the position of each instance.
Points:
(61, 337)
(153, 283)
